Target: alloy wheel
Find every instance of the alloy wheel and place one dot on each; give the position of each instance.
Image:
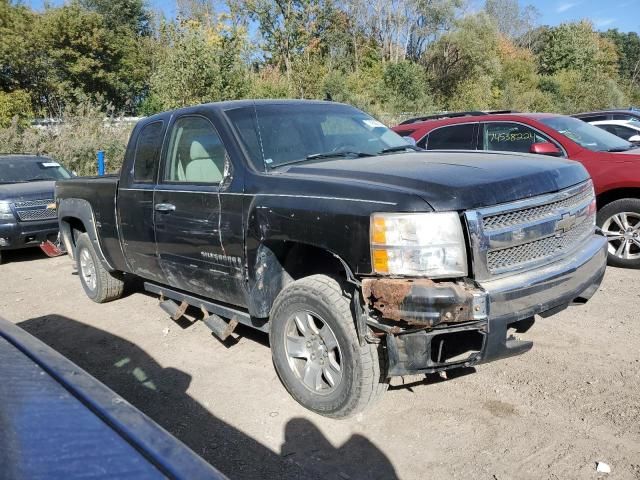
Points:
(88, 269)
(623, 234)
(313, 352)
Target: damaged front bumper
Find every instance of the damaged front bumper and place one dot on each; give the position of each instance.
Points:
(433, 326)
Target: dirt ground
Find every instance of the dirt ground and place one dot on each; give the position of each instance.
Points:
(550, 414)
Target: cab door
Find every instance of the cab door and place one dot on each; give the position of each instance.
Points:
(198, 225)
(134, 202)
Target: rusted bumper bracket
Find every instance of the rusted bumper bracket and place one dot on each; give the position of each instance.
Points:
(423, 302)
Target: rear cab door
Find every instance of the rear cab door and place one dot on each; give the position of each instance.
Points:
(134, 201)
(198, 211)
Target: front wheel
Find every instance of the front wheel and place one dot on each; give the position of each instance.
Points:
(316, 351)
(98, 283)
(620, 222)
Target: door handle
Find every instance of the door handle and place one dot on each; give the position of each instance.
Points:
(164, 207)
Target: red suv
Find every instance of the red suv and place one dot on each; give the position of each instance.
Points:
(614, 163)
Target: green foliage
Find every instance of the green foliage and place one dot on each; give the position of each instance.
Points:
(15, 107)
(197, 64)
(576, 46)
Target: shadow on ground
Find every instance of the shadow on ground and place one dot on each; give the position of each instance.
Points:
(22, 255)
(161, 393)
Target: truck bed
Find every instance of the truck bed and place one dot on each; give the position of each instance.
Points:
(100, 193)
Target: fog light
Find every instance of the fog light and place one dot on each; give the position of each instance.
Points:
(4, 242)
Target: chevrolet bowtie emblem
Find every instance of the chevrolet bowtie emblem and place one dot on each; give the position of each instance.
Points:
(566, 223)
(51, 206)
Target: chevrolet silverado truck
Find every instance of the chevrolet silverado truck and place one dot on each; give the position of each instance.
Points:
(362, 256)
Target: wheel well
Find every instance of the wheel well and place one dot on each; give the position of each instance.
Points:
(301, 260)
(68, 228)
(279, 263)
(617, 194)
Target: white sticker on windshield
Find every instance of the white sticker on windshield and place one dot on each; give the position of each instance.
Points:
(50, 164)
(373, 123)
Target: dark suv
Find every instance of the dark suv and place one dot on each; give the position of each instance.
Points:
(28, 215)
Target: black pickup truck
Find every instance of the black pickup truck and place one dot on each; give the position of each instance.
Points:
(360, 255)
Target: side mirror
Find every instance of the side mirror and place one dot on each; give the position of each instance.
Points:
(412, 141)
(545, 148)
(634, 138)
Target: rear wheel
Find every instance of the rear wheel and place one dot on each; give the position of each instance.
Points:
(98, 283)
(316, 350)
(620, 222)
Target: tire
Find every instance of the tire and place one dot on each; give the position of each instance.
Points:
(99, 284)
(361, 379)
(620, 221)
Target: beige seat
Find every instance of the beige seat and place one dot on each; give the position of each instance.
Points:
(201, 166)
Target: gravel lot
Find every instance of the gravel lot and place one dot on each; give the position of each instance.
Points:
(552, 413)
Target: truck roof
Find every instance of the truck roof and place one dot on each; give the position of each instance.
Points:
(231, 104)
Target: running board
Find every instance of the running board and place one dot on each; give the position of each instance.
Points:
(221, 310)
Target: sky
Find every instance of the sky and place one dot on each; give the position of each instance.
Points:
(604, 14)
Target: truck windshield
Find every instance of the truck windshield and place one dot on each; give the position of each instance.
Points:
(20, 169)
(587, 135)
(281, 134)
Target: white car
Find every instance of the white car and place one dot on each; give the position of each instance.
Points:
(626, 129)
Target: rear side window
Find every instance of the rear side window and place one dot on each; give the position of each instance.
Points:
(148, 148)
(455, 137)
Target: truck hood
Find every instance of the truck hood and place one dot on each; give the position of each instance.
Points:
(455, 180)
(19, 192)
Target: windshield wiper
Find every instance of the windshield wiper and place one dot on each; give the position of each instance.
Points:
(316, 156)
(620, 149)
(399, 148)
(339, 154)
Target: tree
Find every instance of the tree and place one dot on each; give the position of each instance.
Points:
(15, 106)
(197, 64)
(512, 20)
(130, 14)
(576, 46)
(15, 26)
(466, 53)
(628, 48)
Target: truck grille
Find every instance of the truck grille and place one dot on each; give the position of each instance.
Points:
(34, 210)
(530, 233)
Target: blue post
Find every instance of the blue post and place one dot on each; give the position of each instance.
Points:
(100, 157)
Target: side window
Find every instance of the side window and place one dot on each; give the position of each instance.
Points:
(623, 132)
(510, 137)
(594, 118)
(455, 137)
(146, 153)
(196, 153)
(621, 116)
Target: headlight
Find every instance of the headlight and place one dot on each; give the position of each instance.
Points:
(5, 211)
(421, 244)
